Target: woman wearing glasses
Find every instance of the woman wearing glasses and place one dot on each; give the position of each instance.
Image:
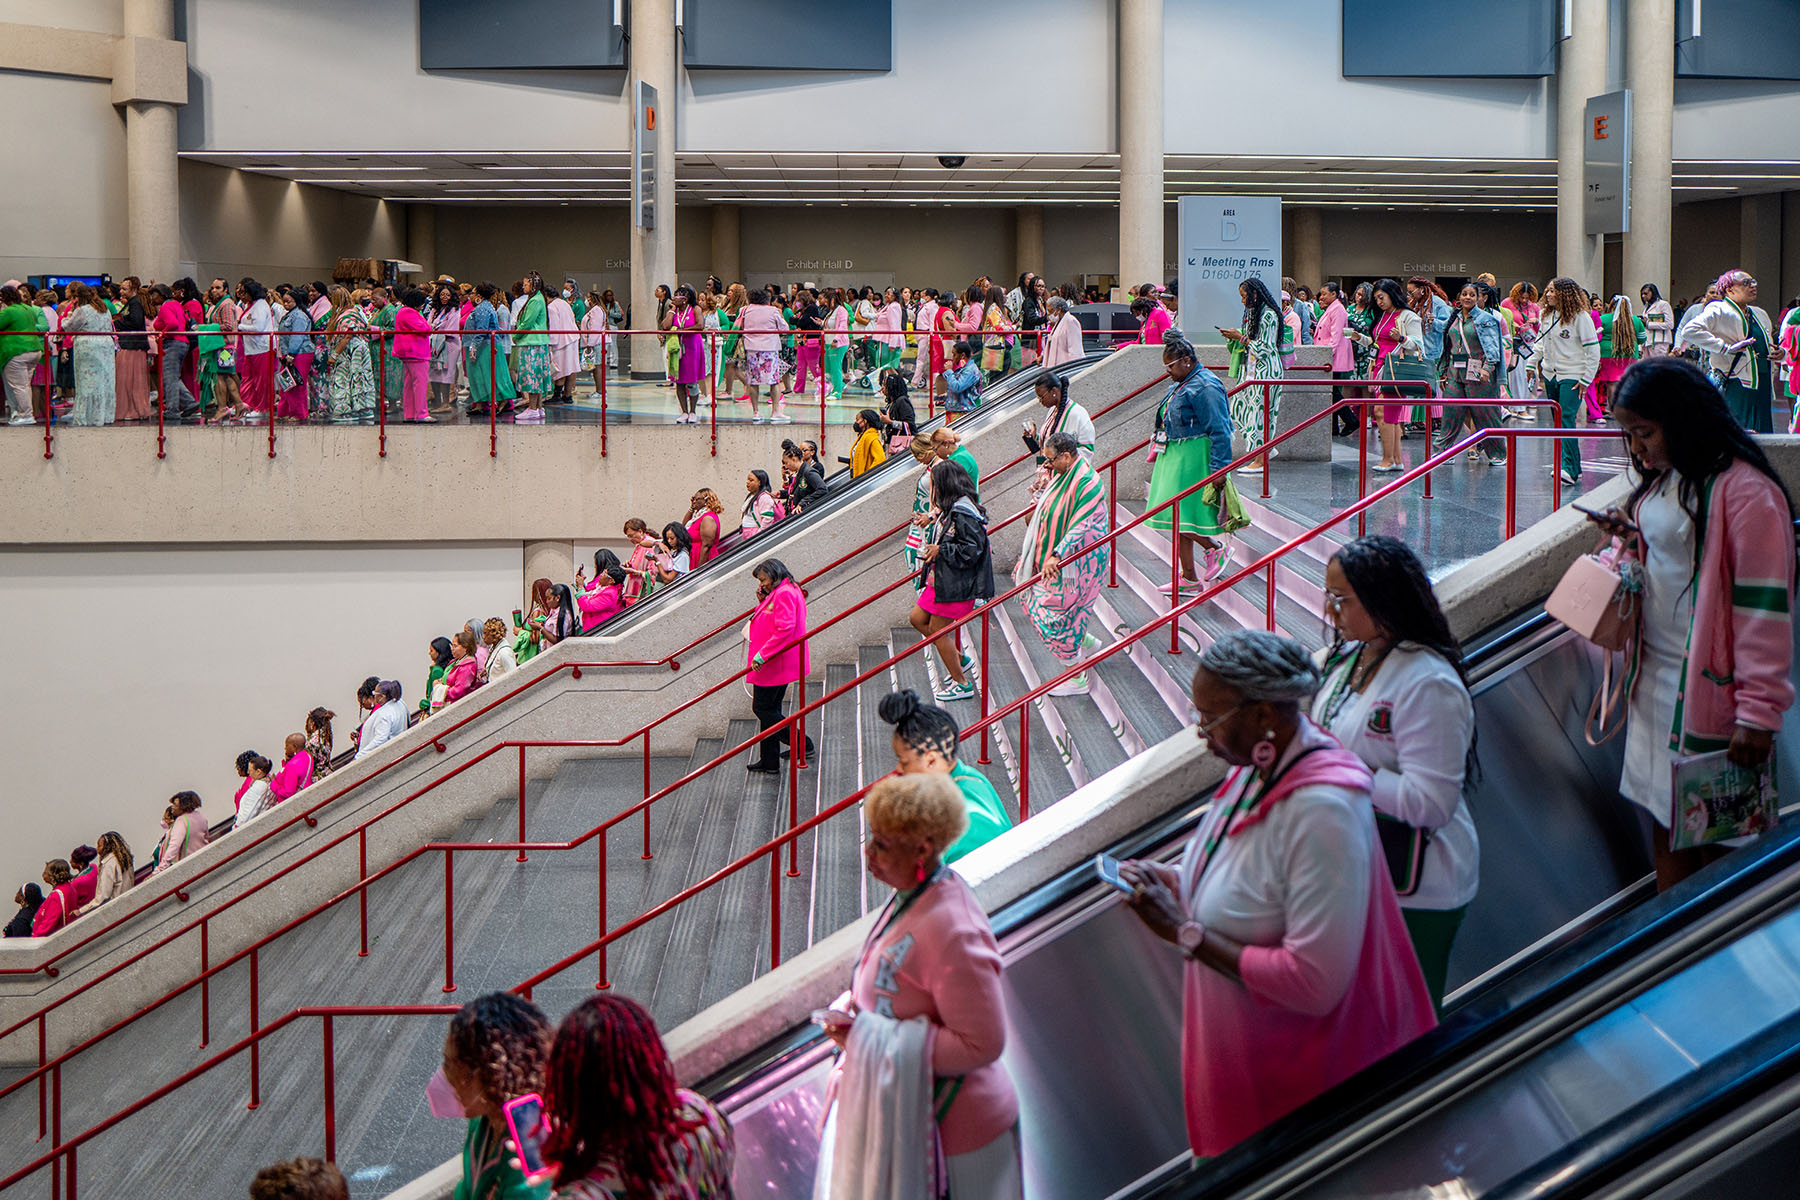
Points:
(1298, 969)
(1730, 321)
(1395, 695)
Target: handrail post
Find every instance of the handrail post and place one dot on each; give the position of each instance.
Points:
(1112, 522)
(646, 855)
(603, 396)
(1512, 483)
(822, 392)
(271, 407)
(381, 394)
(1024, 762)
(1362, 463)
(56, 1172)
(1268, 392)
(362, 893)
(602, 983)
(775, 906)
(43, 1057)
(984, 685)
(522, 855)
(713, 383)
(449, 921)
(494, 414)
(1271, 596)
(255, 1028)
(1175, 574)
(1556, 469)
(796, 751)
(205, 987)
(49, 395)
(161, 402)
(1430, 442)
(328, 1067)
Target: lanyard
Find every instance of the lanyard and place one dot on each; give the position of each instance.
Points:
(886, 922)
(1245, 803)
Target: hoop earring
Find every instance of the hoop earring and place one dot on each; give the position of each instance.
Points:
(1263, 755)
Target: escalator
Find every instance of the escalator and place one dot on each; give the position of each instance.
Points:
(1001, 404)
(1576, 992)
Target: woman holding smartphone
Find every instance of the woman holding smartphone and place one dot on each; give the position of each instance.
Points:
(1713, 526)
(495, 1052)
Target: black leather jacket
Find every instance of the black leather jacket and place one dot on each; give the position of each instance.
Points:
(964, 567)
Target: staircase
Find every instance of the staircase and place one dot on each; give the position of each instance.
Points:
(512, 919)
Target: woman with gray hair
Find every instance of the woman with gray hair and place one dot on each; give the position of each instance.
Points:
(1299, 971)
(1193, 439)
(1062, 334)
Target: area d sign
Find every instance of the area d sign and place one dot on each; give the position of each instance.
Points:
(1605, 164)
(1224, 240)
(643, 159)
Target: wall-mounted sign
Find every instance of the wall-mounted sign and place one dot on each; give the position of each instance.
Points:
(643, 159)
(1606, 163)
(1224, 240)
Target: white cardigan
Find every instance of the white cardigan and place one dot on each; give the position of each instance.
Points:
(1411, 726)
(1569, 351)
(1720, 324)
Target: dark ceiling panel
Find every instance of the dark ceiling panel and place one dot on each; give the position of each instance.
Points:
(788, 35)
(544, 35)
(1496, 40)
(1739, 39)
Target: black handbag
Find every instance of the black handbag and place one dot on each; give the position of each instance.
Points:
(1403, 846)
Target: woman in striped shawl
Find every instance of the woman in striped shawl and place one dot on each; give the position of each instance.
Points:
(1070, 515)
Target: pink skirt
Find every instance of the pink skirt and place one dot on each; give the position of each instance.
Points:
(256, 380)
(948, 609)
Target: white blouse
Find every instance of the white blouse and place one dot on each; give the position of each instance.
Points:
(1411, 726)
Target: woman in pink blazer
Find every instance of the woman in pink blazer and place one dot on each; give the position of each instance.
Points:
(778, 655)
(412, 346)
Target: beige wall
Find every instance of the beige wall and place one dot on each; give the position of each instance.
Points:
(235, 224)
(63, 206)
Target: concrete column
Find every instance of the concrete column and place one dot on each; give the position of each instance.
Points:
(1650, 74)
(1028, 240)
(653, 250)
(1759, 246)
(1306, 260)
(152, 180)
(554, 561)
(1580, 75)
(1140, 104)
(421, 238)
(727, 244)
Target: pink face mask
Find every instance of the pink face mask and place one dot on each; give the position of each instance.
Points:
(442, 1097)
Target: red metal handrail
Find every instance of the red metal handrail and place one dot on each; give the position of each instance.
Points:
(772, 850)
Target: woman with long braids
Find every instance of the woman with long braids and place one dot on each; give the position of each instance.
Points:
(496, 1051)
(1256, 354)
(932, 955)
(115, 871)
(1568, 358)
(620, 1126)
(1713, 526)
(1395, 694)
(1298, 969)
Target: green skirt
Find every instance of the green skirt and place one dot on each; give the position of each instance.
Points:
(1179, 466)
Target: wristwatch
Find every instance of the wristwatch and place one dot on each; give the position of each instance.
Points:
(1190, 937)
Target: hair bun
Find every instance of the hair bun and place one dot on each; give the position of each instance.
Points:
(897, 706)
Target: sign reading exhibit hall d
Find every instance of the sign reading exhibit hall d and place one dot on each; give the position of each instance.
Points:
(1224, 240)
(1605, 163)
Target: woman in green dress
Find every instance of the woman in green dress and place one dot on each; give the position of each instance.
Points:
(1193, 439)
(496, 1051)
(490, 379)
(533, 344)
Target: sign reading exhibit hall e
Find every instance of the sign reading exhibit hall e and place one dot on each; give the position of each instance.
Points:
(1605, 164)
(643, 159)
(1224, 241)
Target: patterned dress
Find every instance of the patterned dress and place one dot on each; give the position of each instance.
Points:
(1070, 515)
(702, 1167)
(1261, 359)
(534, 347)
(352, 367)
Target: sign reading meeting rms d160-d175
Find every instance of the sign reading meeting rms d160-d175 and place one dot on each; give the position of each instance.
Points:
(1224, 241)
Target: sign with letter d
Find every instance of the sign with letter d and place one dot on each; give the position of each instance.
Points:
(1224, 240)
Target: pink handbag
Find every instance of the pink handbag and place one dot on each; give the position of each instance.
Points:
(1598, 597)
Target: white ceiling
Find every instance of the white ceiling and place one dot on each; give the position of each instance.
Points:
(604, 176)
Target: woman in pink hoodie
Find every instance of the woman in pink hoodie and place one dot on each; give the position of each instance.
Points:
(778, 655)
(932, 954)
(1299, 970)
(412, 346)
(1714, 529)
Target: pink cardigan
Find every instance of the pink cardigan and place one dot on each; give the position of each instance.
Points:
(939, 960)
(412, 334)
(295, 774)
(1741, 643)
(600, 601)
(461, 678)
(1064, 342)
(779, 619)
(1255, 1050)
(1329, 331)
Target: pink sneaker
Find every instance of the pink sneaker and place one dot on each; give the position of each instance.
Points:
(1213, 563)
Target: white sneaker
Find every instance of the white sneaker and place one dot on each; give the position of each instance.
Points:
(1076, 686)
(756, 418)
(955, 691)
(1089, 642)
(970, 667)
(17, 420)
(1568, 478)
(781, 419)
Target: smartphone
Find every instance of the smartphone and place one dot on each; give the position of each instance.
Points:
(518, 617)
(525, 1123)
(832, 1018)
(1595, 513)
(1107, 868)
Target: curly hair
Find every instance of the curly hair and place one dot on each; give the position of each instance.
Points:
(610, 1094)
(503, 1042)
(707, 499)
(493, 631)
(57, 873)
(918, 806)
(300, 1179)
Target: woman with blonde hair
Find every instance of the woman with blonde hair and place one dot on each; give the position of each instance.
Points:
(352, 372)
(932, 955)
(1621, 341)
(115, 871)
(919, 531)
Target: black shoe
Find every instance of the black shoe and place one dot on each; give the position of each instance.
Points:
(757, 768)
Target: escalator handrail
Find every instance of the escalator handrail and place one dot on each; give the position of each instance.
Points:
(1613, 1148)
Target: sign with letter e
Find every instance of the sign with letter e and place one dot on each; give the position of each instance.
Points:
(1606, 164)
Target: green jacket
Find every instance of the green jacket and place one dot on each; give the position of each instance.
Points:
(18, 318)
(987, 816)
(487, 1174)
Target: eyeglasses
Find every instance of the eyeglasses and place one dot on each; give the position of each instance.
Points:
(1207, 726)
(1335, 601)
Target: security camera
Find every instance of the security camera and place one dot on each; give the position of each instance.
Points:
(951, 161)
